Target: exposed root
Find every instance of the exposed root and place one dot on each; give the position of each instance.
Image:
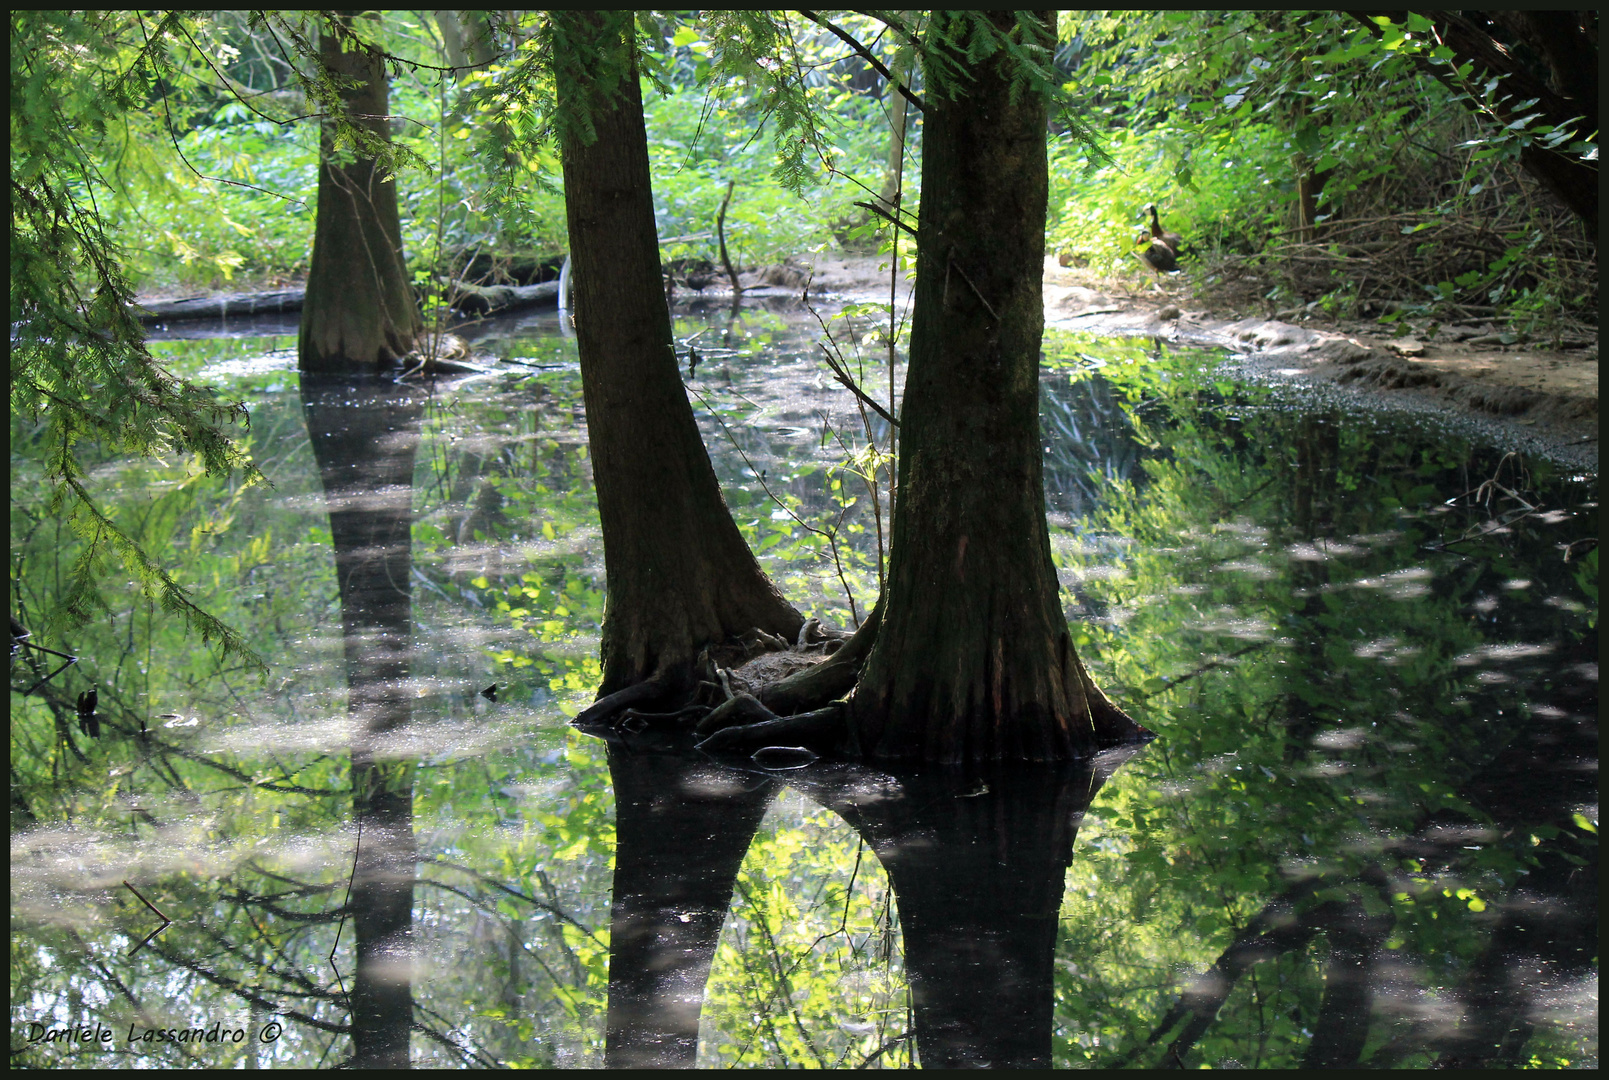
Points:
(725, 683)
(824, 731)
(606, 707)
(815, 686)
(740, 709)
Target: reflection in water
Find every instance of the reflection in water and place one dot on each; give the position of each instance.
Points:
(976, 862)
(682, 825)
(1364, 837)
(365, 432)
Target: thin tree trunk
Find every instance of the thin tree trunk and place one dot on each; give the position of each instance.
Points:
(893, 175)
(974, 661)
(469, 40)
(679, 574)
(360, 313)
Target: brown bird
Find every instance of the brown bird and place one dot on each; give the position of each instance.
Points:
(1159, 257)
(1162, 252)
(1173, 240)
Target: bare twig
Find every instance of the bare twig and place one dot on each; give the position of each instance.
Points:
(885, 215)
(147, 903)
(844, 377)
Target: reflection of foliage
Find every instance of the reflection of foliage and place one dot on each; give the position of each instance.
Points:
(79, 364)
(1351, 696)
(807, 971)
(1367, 685)
(232, 810)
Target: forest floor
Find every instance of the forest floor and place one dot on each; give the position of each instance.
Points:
(1531, 396)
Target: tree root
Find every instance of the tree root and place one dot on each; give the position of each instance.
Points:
(827, 681)
(824, 731)
(606, 706)
(739, 709)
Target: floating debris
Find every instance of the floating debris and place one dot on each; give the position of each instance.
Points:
(783, 757)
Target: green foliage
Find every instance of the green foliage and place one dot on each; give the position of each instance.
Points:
(808, 967)
(1224, 119)
(79, 364)
(696, 145)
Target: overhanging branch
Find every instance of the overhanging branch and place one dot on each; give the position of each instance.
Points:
(866, 54)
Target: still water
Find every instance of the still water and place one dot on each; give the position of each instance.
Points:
(1366, 833)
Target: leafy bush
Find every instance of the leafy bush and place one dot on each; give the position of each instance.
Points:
(698, 146)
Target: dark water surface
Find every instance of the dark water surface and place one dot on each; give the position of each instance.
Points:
(1366, 833)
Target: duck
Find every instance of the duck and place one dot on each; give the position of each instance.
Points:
(1160, 251)
(1173, 240)
(1159, 256)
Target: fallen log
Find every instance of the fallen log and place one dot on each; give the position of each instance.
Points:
(284, 302)
(467, 298)
(485, 299)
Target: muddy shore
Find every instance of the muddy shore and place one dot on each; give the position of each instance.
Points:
(1531, 398)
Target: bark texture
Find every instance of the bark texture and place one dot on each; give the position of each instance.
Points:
(679, 574)
(973, 661)
(360, 313)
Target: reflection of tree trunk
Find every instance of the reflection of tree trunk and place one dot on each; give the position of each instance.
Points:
(382, 912)
(682, 826)
(679, 573)
(1342, 1026)
(360, 313)
(1318, 455)
(365, 433)
(974, 661)
(1547, 926)
(977, 868)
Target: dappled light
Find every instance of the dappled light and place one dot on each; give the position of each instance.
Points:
(1344, 707)
(804, 539)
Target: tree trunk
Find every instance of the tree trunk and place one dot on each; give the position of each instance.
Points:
(360, 313)
(469, 40)
(973, 661)
(894, 175)
(679, 574)
(1568, 45)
